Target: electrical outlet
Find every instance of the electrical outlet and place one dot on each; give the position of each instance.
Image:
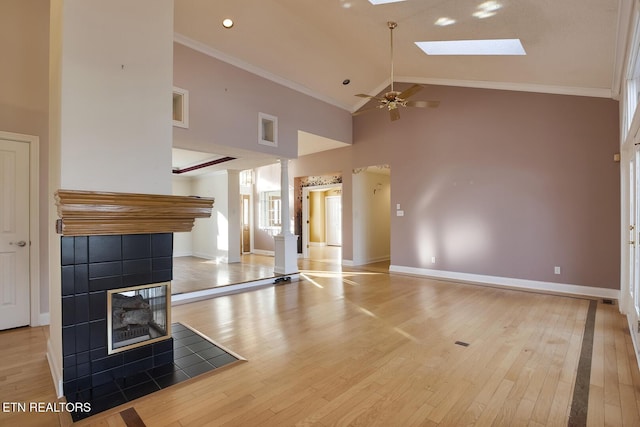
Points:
(433, 260)
(399, 213)
(556, 270)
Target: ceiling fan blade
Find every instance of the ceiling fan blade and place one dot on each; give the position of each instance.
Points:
(422, 104)
(409, 92)
(394, 113)
(362, 95)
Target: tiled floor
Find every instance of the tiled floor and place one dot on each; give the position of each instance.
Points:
(193, 355)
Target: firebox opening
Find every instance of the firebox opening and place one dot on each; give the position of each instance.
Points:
(138, 315)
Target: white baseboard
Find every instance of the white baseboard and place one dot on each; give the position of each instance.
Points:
(204, 255)
(44, 319)
(56, 372)
(507, 282)
(368, 261)
(348, 262)
(318, 244)
(263, 252)
(179, 254)
(378, 259)
(634, 340)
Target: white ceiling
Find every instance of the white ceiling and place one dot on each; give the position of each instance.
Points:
(313, 45)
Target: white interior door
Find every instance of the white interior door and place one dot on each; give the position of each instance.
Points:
(305, 222)
(333, 220)
(634, 253)
(14, 234)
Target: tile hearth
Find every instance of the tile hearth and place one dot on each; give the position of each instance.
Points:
(193, 355)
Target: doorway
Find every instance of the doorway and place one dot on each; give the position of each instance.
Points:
(19, 263)
(372, 209)
(245, 212)
(322, 222)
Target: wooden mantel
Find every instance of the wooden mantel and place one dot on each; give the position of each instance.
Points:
(89, 213)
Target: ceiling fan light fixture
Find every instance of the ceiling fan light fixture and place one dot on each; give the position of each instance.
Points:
(394, 99)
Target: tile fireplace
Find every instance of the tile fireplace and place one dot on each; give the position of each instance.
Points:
(116, 266)
(94, 268)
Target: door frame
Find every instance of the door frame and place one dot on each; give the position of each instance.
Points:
(305, 213)
(631, 288)
(34, 223)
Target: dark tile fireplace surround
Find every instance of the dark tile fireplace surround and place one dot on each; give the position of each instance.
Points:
(92, 265)
(112, 241)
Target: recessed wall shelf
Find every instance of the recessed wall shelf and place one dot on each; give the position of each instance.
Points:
(180, 107)
(267, 130)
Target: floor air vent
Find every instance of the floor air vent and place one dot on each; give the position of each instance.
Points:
(608, 301)
(462, 343)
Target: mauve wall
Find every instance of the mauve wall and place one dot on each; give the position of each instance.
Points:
(502, 183)
(224, 102)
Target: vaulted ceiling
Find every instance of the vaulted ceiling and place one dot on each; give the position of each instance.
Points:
(315, 45)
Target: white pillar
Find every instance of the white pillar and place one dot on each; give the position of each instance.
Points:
(286, 253)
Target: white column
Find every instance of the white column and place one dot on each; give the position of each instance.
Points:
(286, 256)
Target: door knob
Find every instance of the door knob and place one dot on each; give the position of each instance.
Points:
(632, 242)
(21, 243)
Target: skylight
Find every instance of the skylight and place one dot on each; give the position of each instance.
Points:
(383, 1)
(473, 47)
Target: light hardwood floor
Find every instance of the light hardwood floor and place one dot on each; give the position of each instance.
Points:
(191, 274)
(367, 348)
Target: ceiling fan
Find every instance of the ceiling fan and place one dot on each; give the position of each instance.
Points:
(394, 99)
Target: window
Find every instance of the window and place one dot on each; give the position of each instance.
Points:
(270, 212)
(180, 107)
(267, 130)
(246, 178)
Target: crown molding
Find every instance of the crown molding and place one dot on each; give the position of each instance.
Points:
(518, 87)
(231, 60)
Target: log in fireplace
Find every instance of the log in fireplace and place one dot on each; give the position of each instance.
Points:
(139, 315)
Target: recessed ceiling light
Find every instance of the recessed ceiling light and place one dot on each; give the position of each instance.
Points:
(227, 22)
(346, 82)
(473, 47)
(444, 21)
(383, 1)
